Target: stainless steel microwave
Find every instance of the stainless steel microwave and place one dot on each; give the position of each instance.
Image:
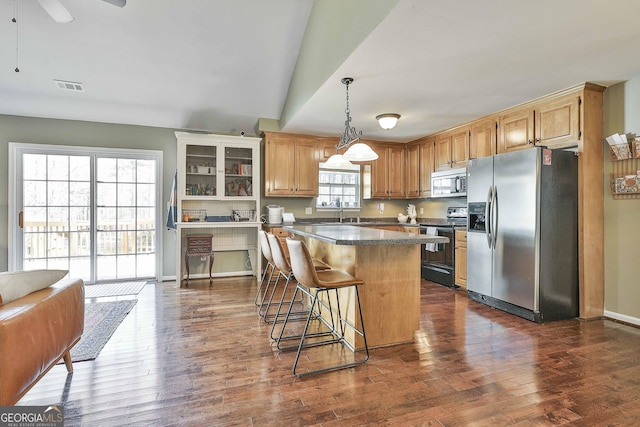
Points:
(449, 183)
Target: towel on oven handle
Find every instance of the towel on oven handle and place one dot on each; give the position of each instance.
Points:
(431, 247)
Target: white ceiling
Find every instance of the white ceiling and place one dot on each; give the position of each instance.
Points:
(220, 65)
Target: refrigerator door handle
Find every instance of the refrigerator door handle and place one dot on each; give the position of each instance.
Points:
(494, 216)
(487, 216)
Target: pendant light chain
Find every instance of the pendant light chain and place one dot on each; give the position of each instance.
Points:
(15, 21)
(347, 110)
(350, 135)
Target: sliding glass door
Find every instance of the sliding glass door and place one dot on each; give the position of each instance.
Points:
(94, 214)
(126, 218)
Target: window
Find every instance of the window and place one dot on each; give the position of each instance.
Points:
(338, 188)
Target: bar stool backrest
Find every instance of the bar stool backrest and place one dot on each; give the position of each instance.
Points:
(264, 246)
(277, 251)
(302, 264)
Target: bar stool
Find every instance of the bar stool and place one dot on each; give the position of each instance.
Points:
(284, 271)
(313, 284)
(199, 246)
(266, 252)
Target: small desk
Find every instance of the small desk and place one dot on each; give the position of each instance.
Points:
(199, 245)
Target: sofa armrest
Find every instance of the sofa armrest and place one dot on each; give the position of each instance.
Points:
(35, 332)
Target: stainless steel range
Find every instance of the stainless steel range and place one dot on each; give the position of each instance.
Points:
(438, 260)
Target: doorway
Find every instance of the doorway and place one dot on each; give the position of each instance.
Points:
(94, 212)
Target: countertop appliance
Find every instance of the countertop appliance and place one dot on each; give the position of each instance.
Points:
(275, 214)
(438, 260)
(522, 240)
(449, 183)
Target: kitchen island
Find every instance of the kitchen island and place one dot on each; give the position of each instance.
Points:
(389, 264)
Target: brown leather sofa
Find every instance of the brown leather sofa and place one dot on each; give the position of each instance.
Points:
(36, 331)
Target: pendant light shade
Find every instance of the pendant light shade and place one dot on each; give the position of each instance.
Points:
(387, 120)
(337, 161)
(360, 152)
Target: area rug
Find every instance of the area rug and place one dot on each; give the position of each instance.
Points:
(113, 289)
(101, 319)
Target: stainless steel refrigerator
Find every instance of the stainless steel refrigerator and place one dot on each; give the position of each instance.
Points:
(522, 233)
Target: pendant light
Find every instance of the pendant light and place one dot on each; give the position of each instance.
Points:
(359, 151)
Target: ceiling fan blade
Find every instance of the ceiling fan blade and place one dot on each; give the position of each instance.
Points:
(56, 11)
(119, 3)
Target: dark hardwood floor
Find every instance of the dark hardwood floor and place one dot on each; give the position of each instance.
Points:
(201, 357)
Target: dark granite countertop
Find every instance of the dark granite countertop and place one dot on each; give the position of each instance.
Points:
(350, 234)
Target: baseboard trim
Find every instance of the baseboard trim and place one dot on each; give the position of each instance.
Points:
(205, 276)
(622, 317)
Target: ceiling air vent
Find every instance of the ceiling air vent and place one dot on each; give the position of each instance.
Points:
(72, 86)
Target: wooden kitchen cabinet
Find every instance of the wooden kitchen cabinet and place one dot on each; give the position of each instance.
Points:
(452, 149)
(327, 148)
(420, 165)
(557, 122)
(291, 165)
(552, 123)
(483, 141)
(388, 172)
(460, 256)
(516, 130)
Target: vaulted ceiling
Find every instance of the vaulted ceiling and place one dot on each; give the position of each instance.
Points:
(221, 65)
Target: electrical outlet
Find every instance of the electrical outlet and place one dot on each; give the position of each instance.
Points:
(421, 211)
(308, 211)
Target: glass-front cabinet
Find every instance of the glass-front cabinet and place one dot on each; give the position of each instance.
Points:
(216, 167)
(218, 194)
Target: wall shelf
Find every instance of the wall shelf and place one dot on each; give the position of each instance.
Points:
(624, 180)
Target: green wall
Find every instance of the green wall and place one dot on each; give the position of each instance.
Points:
(621, 217)
(88, 134)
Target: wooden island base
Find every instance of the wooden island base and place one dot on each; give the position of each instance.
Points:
(390, 297)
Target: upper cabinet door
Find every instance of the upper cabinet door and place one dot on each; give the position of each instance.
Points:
(306, 167)
(460, 148)
(517, 130)
(443, 152)
(484, 139)
(558, 122)
(427, 166)
(397, 160)
(413, 170)
(279, 166)
(380, 173)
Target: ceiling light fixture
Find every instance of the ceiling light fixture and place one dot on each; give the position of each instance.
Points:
(358, 152)
(387, 120)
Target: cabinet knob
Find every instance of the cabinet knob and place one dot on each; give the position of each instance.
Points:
(537, 140)
(530, 142)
